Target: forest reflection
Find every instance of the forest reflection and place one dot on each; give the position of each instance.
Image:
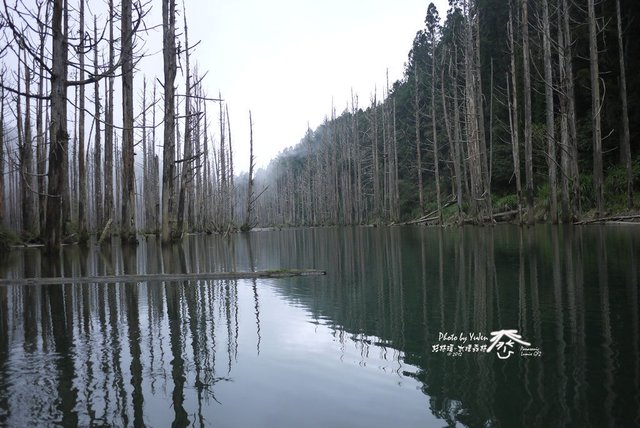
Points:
(118, 353)
(101, 353)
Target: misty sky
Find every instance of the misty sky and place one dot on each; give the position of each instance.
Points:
(287, 59)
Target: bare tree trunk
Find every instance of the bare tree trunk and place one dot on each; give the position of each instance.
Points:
(128, 173)
(41, 154)
(551, 137)
(57, 131)
(457, 126)
(82, 174)
(418, 144)
(528, 143)
(186, 176)
(97, 155)
(250, 201)
(377, 208)
(207, 205)
(224, 187)
(2, 185)
(146, 170)
(472, 118)
(156, 168)
(513, 115)
(232, 190)
(109, 212)
(485, 166)
(66, 199)
(626, 138)
(433, 123)
(595, 109)
(21, 163)
(572, 148)
(28, 182)
(454, 149)
(396, 187)
(565, 150)
(169, 54)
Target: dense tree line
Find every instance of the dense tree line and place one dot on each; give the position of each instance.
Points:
(525, 106)
(75, 169)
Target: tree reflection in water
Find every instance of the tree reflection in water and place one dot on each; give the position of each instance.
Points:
(117, 353)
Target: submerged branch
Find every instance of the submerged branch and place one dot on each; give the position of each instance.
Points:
(276, 273)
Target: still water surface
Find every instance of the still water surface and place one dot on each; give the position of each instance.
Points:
(380, 341)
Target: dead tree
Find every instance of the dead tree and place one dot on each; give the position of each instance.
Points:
(528, 143)
(595, 108)
(513, 111)
(58, 136)
(625, 137)
(416, 107)
(549, 113)
(128, 232)
(30, 222)
(109, 212)
(2, 160)
(97, 149)
(82, 175)
(432, 26)
(168, 162)
(187, 159)
(250, 200)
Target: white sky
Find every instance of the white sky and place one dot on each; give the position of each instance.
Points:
(287, 59)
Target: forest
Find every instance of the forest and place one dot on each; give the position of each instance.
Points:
(519, 110)
(68, 168)
(525, 110)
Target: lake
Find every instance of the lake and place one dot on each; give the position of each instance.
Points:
(398, 333)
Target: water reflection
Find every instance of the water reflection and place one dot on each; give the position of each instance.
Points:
(193, 352)
(573, 292)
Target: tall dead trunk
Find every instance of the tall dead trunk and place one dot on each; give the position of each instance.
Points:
(2, 208)
(232, 190)
(168, 151)
(375, 167)
(625, 139)
(82, 175)
(550, 117)
(513, 112)
(595, 108)
(250, 201)
(571, 110)
(109, 212)
(224, 186)
(396, 186)
(416, 107)
(41, 154)
(186, 176)
(453, 144)
(147, 161)
(472, 119)
(436, 163)
(565, 154)
(485, 166)
(156, 168)
(128, 173)
(97, 149)
(29, 189)
(528, 143)
(58, 135)
(65, 191)
(457, 125)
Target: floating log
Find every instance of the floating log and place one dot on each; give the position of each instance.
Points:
(608, 219)
(275, 273)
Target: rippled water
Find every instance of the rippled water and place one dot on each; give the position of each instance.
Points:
(376, 342)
